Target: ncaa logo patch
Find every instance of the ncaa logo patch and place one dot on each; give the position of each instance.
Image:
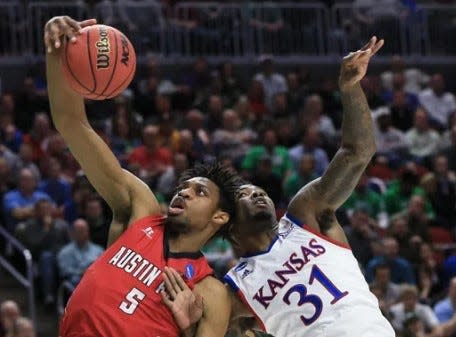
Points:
(189, 271)
(240, 266)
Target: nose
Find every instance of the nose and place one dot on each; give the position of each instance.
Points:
(257, 194)
(184, 193)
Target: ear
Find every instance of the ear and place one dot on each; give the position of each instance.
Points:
(220, 218)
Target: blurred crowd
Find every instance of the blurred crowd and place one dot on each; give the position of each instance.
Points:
(279, 130)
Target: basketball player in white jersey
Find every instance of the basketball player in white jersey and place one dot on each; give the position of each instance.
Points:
(298, 276)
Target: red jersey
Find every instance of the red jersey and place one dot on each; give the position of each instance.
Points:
(119, 293)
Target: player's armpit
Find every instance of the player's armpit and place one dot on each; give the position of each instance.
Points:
(217, 308)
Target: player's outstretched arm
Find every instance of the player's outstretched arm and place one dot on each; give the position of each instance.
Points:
(116, 186)
(316, 202)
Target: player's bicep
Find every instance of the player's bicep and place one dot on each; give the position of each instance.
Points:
(216, 315)
(143, 200)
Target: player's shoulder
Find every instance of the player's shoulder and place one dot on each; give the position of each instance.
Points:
(211, 286)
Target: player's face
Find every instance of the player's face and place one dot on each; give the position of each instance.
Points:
(194, 205)
(255, 211)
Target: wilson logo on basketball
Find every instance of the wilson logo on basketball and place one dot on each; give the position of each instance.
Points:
(103, 49)
(125, 50)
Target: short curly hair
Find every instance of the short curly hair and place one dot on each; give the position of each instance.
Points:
(228, 182)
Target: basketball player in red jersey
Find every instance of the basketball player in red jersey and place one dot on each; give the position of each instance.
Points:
(119, 294)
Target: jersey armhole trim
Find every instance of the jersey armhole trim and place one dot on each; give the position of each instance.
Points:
(313, 231)
(144, 220)
(227, 278)
(246, 303)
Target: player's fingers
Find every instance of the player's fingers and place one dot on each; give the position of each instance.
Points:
(54, 31)
(173, 278)
(89, 22)
(165, 298)
(179, 280)
(370, 44)
(70, 33)
(47, 41)
(352, 57)
(169, 286)
(377, 47)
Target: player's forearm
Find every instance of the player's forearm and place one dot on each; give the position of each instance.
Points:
(358, 134)
(67, 106)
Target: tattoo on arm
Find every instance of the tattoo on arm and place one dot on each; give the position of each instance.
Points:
(358, 147)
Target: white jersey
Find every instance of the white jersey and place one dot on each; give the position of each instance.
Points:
(306, 285)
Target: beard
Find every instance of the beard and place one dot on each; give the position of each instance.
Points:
(176, 226)
(262, 221)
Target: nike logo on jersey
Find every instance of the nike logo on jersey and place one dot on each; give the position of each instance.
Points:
(148, 231)
(293, 265)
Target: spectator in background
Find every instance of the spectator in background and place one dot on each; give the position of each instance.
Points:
(445, 308)
(422, 142)
(415, 215)
(408, 242)
(18, 204)
(57, 148)
(38, 137)
(390, 141)
(366, 197)
(44, 235)
(58, 188)
(304, 174)
(440, 104)
(428, 274)
(296, 93)
(360, 235)
(214, 116)
(390, 291)
(152, 157)
(9, 313)
(409, 304)
(80, 191)
(273, 82)
(256, 97)
(232, 141)
(411, 100)
(402, 114)
(313, 113)
(281, 163)
(440, 187)
(23, 327)
(265, 177)
(400, 191)
(231, 84)
(75, 257)
(10, 157)
(415, 78)
(96, 219)
(401, 269)
(168, 180)
(310, 144)
(25, 160)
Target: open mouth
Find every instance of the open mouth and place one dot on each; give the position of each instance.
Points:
(176, 206)
(260, 202)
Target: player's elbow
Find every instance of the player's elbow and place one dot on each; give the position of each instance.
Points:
(361, 153)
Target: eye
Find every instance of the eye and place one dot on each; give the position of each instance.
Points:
(242, 194)
(200, 191)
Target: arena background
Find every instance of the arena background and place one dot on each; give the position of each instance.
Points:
(201, 82)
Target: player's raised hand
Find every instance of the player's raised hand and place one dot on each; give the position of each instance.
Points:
(186, 306)
(60, 26)
(354, 65)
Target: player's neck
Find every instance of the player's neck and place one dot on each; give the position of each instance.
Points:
(257, 243)
(186, 242)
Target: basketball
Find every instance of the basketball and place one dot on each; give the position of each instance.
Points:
(100, 64)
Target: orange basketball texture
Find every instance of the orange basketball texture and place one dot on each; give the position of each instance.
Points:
(100, 64)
